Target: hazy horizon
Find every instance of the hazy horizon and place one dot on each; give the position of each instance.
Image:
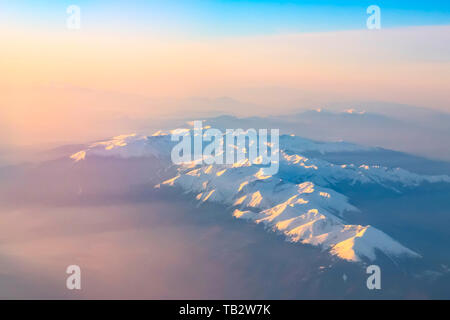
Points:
(154, 59)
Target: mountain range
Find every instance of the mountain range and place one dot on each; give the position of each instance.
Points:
(300, 201)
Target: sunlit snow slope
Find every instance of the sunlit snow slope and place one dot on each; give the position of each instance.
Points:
(298, 201)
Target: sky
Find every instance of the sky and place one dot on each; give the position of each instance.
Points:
(228, 17)
(141, 59)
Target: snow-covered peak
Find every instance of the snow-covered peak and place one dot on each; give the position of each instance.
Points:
(353, 111)
(295, 167)
(129, 146)
(305, 212)
(126, 145)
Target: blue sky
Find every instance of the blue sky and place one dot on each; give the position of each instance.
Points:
(228, 17)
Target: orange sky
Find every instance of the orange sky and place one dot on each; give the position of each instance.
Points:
(45, 75)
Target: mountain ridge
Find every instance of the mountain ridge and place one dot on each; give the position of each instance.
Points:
(298, 201)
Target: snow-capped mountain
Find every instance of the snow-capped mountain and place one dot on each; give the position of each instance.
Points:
(298, 201)
(294, 167)
(304, 212)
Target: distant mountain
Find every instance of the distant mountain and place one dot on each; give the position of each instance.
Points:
(413, 134)
(412, 114)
